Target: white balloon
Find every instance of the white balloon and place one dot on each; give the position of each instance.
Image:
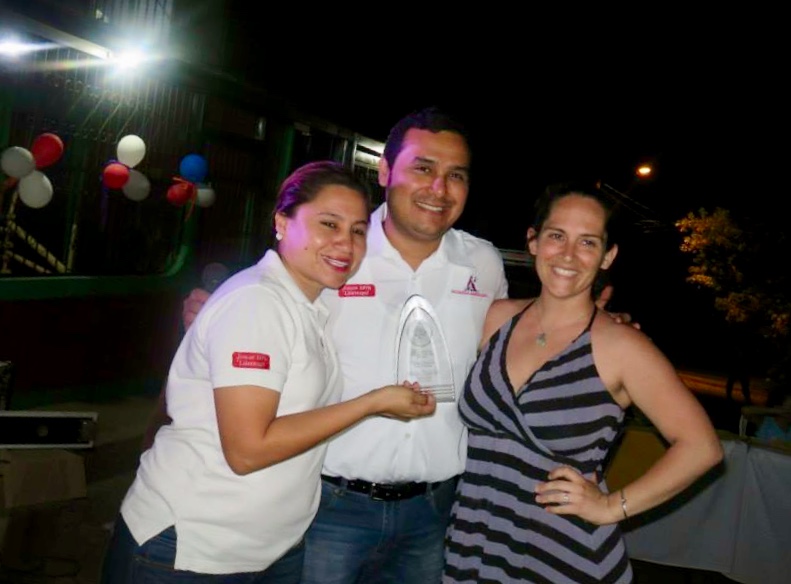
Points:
(17, 162)
(35, 190)
(137, 187)
(206, 196)
(131, 150)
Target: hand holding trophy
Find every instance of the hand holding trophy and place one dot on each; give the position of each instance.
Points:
(422, 353)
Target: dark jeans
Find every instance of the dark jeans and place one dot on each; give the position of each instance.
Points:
(357, 540)
(152, 563)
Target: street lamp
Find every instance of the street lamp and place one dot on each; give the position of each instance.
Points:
(641, 173)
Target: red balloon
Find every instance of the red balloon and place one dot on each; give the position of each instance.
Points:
(180, 192)
(47, 149)
(115, 175)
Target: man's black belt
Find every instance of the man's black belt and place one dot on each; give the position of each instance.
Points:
(383, 491)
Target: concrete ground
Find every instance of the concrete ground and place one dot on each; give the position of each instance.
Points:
(63, 542)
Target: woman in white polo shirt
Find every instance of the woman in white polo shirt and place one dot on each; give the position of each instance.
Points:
(228, 489)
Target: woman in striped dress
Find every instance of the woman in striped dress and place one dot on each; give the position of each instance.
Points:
(544, 405)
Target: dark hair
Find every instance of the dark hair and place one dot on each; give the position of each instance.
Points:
(302, 185)
(432, 119)
(554, 192)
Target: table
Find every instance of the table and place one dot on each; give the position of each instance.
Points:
(735, 520)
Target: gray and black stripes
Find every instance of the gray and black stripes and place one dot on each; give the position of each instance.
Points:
(562, 415)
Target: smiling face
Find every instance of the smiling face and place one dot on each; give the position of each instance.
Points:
(323, 241)
(427, 186)
(570, 247)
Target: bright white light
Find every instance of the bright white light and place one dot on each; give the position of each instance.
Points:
(13, 49)
(130, 59)
(644, 170)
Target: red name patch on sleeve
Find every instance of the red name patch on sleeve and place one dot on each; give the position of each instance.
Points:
(251, 360)
(357, 290)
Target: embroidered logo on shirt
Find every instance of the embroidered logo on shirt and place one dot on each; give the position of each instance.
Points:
(357, 290)
(251, 360)
(471, 289)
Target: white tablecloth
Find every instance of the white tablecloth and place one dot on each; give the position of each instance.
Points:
(736, 520)
(763, 546)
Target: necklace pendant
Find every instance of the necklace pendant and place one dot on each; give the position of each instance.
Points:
(541, 340)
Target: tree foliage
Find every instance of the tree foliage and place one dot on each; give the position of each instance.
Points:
(744, 266)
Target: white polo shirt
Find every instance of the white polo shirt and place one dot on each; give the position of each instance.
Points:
(258, 329)
(460, 280)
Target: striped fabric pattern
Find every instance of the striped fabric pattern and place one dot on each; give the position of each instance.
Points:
(562, 415)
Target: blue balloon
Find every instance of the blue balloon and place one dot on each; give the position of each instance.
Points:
(194, 168)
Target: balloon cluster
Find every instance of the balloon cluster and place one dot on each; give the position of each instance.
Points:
(190, 184)
(121, 174)
(23, 165)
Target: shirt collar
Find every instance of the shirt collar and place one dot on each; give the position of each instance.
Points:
(377, 241)
(450, 249)
(273, 266)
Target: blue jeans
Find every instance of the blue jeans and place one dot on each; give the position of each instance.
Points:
(357, 540)
(152, 563)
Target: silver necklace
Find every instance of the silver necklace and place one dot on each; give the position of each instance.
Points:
(541, 337)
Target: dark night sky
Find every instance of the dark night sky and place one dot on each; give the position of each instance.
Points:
(709, 116)
(709, 110)
(714, 137)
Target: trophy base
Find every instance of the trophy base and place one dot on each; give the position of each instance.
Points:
(443, 393)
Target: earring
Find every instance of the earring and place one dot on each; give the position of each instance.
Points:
(278, 236)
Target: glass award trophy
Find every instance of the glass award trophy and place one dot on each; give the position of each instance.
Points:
(422, 353)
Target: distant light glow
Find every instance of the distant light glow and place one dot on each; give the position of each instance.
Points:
(366, 159)
(373, 145)
(14, 48)
(11, 48)
(644, 170)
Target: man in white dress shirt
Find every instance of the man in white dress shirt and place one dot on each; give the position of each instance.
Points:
(388, 486)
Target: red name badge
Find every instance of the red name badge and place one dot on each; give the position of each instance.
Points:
(251, 360)
(357, 290)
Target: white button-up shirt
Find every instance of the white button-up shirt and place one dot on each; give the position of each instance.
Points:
(257, 329)
(460, 280)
